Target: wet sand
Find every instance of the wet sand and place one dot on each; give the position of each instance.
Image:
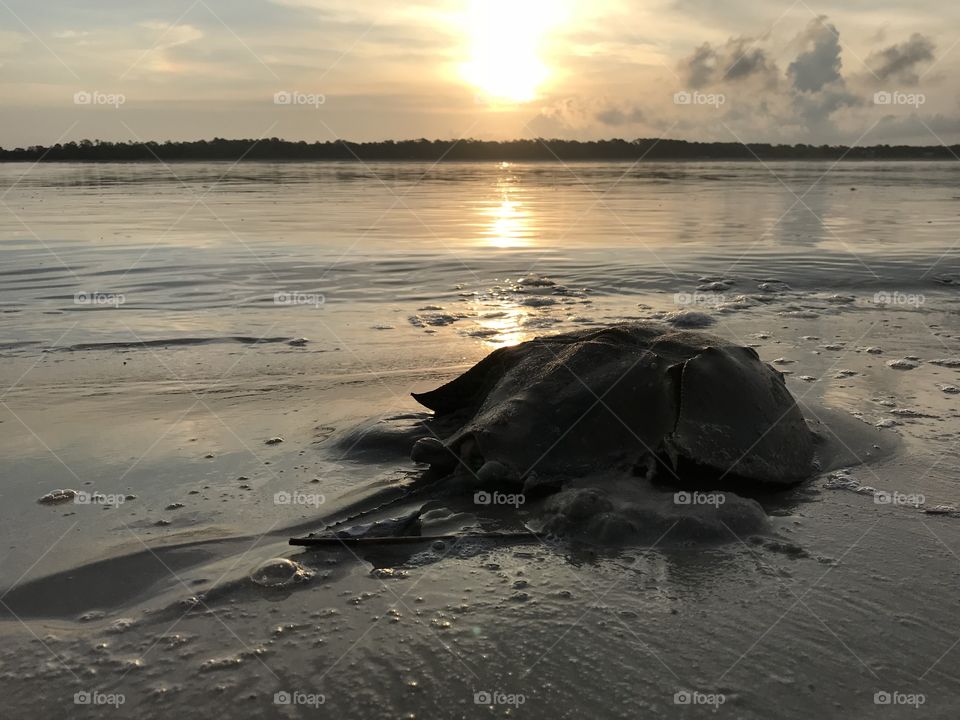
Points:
(850, 598)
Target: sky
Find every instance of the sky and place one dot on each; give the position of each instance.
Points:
(853, 72)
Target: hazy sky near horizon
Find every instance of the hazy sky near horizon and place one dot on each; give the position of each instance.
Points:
(853, 71)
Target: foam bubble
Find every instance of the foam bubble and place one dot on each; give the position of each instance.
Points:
(279, 573)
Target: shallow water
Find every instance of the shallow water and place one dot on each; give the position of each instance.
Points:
(201, 249)
(177, 362)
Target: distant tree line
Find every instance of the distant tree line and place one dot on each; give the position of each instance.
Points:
(275, 149)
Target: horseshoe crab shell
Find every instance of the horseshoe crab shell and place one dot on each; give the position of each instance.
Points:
(608, 398)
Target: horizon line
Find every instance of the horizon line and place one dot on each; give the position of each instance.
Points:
(466, 140)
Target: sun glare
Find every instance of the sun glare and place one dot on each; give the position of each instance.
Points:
(505, 44)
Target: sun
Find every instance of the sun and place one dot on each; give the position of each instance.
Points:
(505, 39)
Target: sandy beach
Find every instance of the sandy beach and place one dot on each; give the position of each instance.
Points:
(204, 421)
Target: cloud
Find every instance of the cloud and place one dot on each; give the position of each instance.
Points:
(898, 62)
(615, 116)
(807, 105)
(70, 34)
(738, 59)
(570, 112)
(701, 66)
(172, 35)
(820, 63)
(745, 71)
(168, 52)
(749, 60)
(581, 116)
(818, 87)
(792, 87)
(815, 109)
(919, 129)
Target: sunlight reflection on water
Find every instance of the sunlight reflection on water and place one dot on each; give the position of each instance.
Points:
(509, 227)
(504, 326)
(509, 223)
(384, 239)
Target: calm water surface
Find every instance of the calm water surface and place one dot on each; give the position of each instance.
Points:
(201, 249)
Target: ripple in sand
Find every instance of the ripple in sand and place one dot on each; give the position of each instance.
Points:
(121, 625)
(57, 497)
(841, 480)
(910, 413)
(903, 364)
(840, 299)
(940, 510)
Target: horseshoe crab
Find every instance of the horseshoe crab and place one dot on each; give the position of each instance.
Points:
(580, 432)
(634, 397)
